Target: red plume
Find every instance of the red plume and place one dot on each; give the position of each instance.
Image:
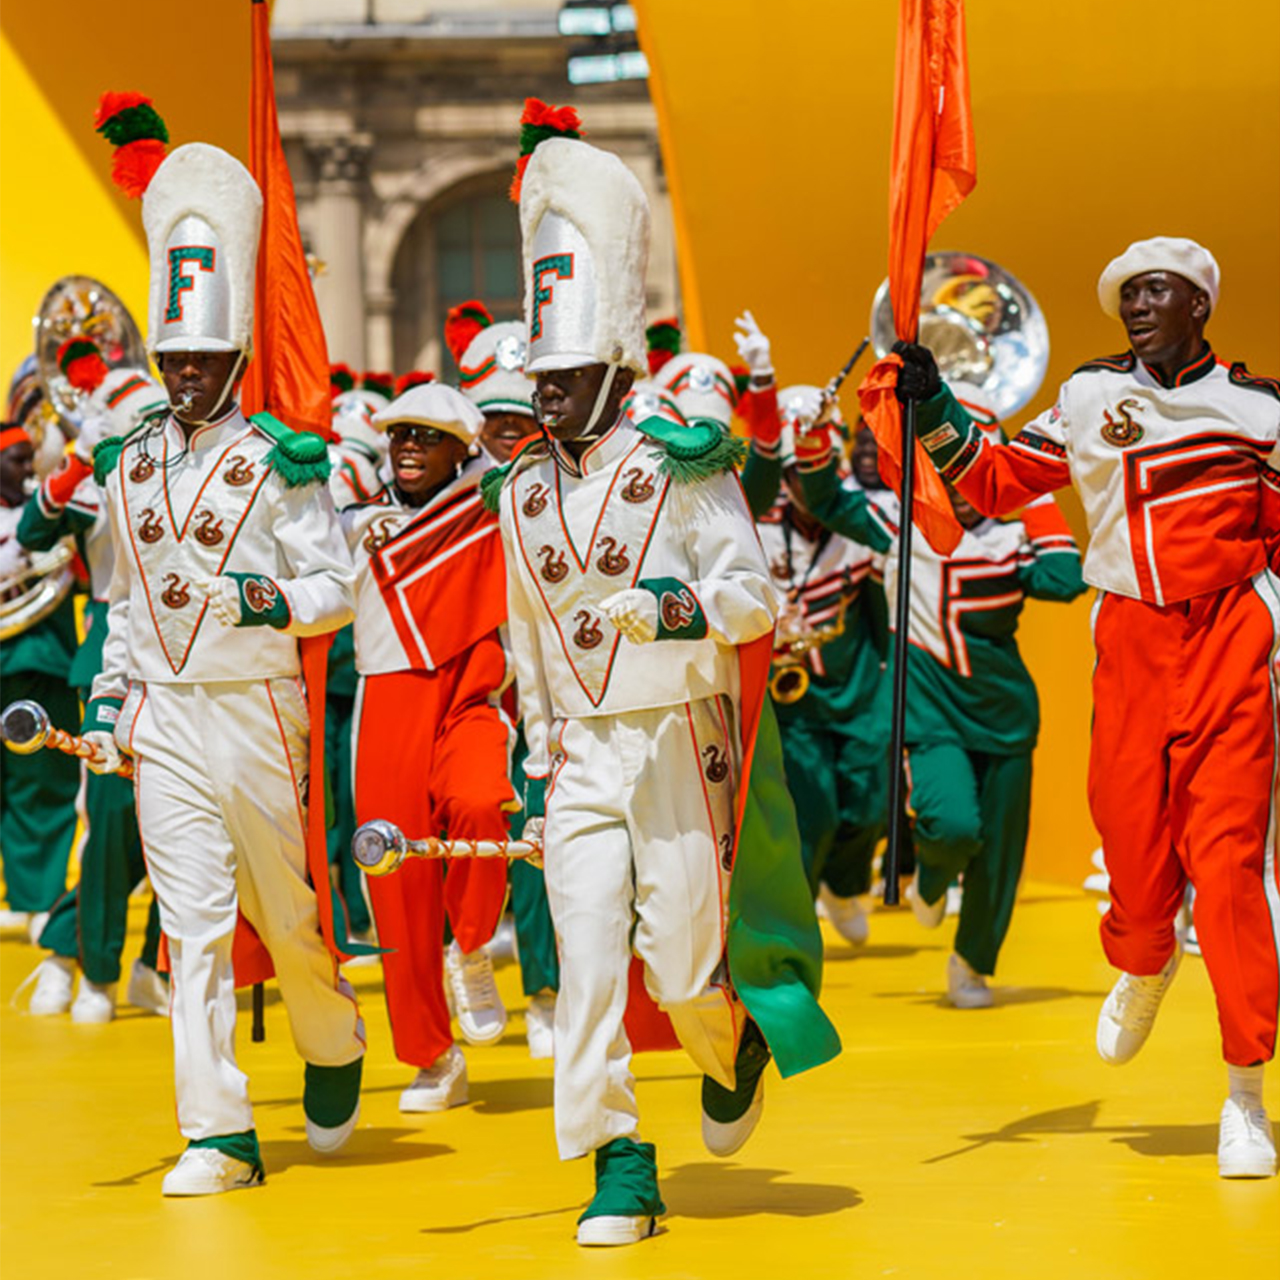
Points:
(462, 324)
(414, 378)
(539, 122)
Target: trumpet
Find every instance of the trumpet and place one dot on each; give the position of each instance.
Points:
(789, 679)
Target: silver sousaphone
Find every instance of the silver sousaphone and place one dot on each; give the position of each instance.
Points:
(982, 324)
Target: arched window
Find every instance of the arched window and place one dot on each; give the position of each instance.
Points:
(464, 245)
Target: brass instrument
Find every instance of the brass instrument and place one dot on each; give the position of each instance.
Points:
(32, 594)
(789, 679)
(982, 324)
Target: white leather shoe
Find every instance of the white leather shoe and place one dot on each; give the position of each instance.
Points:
(94, 1003)
(966, 987)
(482, 1017)
(206, 1171)
(439, 1086)
(147, 990)
(614, 1229)
(1246, 1148)
(847, 917)
(1129, 1012)
(929, 914)
(54, 977)
(329, 1142)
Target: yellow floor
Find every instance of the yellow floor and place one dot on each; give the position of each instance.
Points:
(941, 1144)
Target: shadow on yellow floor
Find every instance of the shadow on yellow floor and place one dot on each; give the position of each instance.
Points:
(941, 1144)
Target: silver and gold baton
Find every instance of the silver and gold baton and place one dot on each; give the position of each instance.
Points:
(379, 847)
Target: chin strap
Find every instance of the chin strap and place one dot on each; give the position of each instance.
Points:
(606, 385)
(227, 388)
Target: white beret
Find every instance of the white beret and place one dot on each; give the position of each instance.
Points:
(434, 405)
(1161, 253)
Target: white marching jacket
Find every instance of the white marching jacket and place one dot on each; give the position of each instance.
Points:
(182, 514)
(574, 540)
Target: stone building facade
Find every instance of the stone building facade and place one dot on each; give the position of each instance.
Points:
(401, 125)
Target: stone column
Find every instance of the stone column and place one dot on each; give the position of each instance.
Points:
(378, 330)
(340, 166)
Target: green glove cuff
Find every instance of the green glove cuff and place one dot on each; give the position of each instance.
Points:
(262, 603)
(949, 435)
(101, 714)
(680, 615)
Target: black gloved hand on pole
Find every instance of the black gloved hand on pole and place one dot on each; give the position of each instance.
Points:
(918, 379)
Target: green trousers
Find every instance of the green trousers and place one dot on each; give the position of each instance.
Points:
(972, 815)
(535, 934)
(38, 800)
(840, 786)
(88, 923)
(338, 715)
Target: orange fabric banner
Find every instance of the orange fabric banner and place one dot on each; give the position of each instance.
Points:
(933, 168)
(289, 373)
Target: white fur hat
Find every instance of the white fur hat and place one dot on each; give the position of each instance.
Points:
(702, 386)
(126, 396)
(647, 399)
(584, 219)
(202, 212)
(491, 371)
(1161, 253)
(434, 405)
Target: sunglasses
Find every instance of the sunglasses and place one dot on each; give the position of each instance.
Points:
(417, 433)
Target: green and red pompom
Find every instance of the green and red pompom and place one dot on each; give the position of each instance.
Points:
(414, 378)
(741, 381)
(135, 128)
(539, 122)
(662, 338)
(462, 324)
(82, 364)
(342, 378)
(381, 384)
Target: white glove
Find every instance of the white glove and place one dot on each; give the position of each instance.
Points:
(106, 757)
(533, 828)
(753, 347)
(13, 558)
(224, 599)
(94, 429)
(634, 612)
(805, 409)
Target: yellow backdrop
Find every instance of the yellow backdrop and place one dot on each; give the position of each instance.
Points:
(59, 212)
(1097, 124)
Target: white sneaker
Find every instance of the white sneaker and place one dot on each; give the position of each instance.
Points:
(147, 990)
(614, 1229)
(847, 917)
(329, 1142)
(929, 914)
(439, 1086)
(1129, 1012)
(482, 1017)
(955, 899)
(1245, 1145)
(54, 977)
(94, 1003)
(14, 921)
(206, 1171)
(539, 1025)
(35, 926)
(966, 987)
(502, 946)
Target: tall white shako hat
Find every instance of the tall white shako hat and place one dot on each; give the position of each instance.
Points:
(584, 220)
(799, 405)
(702, 387)
(433, 404)
(202, 212)
(648, 398)
(490, 359)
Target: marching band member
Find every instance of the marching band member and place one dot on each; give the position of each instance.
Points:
(37, 795)
(633, 575)
(430, 741)
(972, 711)
(229, 554)
(490, 359)
(87, 925)
(1175, 457)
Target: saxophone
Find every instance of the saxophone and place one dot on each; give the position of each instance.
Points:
(789, 678)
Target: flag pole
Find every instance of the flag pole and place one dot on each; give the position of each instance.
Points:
(898, 829)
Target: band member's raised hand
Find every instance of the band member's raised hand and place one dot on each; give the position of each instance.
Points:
(753, 347)
(635, 613)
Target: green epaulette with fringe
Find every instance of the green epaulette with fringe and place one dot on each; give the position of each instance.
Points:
(297, 457)
(694, 452)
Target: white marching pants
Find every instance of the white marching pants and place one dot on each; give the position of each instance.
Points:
(639, 825)
(221, 783)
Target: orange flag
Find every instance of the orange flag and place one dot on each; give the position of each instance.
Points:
(933, 168)
(289, 373)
